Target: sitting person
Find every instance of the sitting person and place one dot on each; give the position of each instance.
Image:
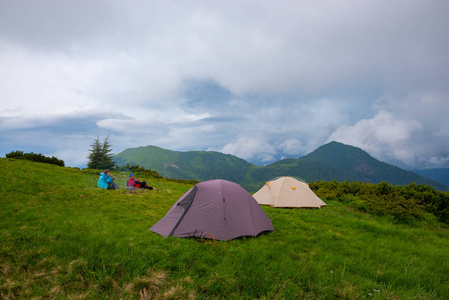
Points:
(133, 182)
(106, 182)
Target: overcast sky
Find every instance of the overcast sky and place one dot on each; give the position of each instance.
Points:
(262, 80)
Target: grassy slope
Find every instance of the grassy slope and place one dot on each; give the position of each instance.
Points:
(62, 237)
(135, 156)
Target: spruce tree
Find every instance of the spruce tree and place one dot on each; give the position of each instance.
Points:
(100, 156)
(107, 162)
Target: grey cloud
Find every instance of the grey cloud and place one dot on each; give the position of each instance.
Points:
(259, 79)
(61, 26)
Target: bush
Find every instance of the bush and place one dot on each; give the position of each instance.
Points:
(403, 203)
(139, 170)
(36, 157)
(395, 205)
(142, 172)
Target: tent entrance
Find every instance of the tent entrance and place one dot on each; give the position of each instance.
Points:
(185, 203)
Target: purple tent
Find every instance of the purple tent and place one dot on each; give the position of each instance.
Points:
(217, 209)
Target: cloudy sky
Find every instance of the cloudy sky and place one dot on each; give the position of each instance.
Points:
(261, 80)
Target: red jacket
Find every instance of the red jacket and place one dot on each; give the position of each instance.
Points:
(134, 182)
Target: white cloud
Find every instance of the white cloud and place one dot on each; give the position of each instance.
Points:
(250, 147)
(384, 136)
(291, 147)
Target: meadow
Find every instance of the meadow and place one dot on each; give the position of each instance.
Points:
(63, 238)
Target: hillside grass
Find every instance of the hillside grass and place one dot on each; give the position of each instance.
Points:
(63, 238)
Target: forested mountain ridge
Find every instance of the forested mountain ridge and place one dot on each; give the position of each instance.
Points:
(440, 174)
(197, 165)
(368, 169)
(333, 161)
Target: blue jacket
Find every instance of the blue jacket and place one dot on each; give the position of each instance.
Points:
(104, 181)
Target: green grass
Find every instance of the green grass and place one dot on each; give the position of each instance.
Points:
(61, 237)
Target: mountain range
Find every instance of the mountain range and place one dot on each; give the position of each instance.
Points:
(439, 174)
(332, 161)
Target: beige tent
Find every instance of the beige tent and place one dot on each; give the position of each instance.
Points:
(288, 192)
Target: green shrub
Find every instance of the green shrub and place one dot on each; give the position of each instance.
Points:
(36, 157)
(142, 172)
(403, 203)
(136, 169)
(395, 205)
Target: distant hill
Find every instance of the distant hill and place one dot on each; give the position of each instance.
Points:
(197, 165)
(368, 169)
(333, 161)
(440, 175)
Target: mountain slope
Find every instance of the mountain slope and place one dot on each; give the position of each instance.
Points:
(197, 165)
(440, 175)
(368, 169)
(333, 161)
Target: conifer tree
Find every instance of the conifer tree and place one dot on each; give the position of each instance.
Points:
(100, 156)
